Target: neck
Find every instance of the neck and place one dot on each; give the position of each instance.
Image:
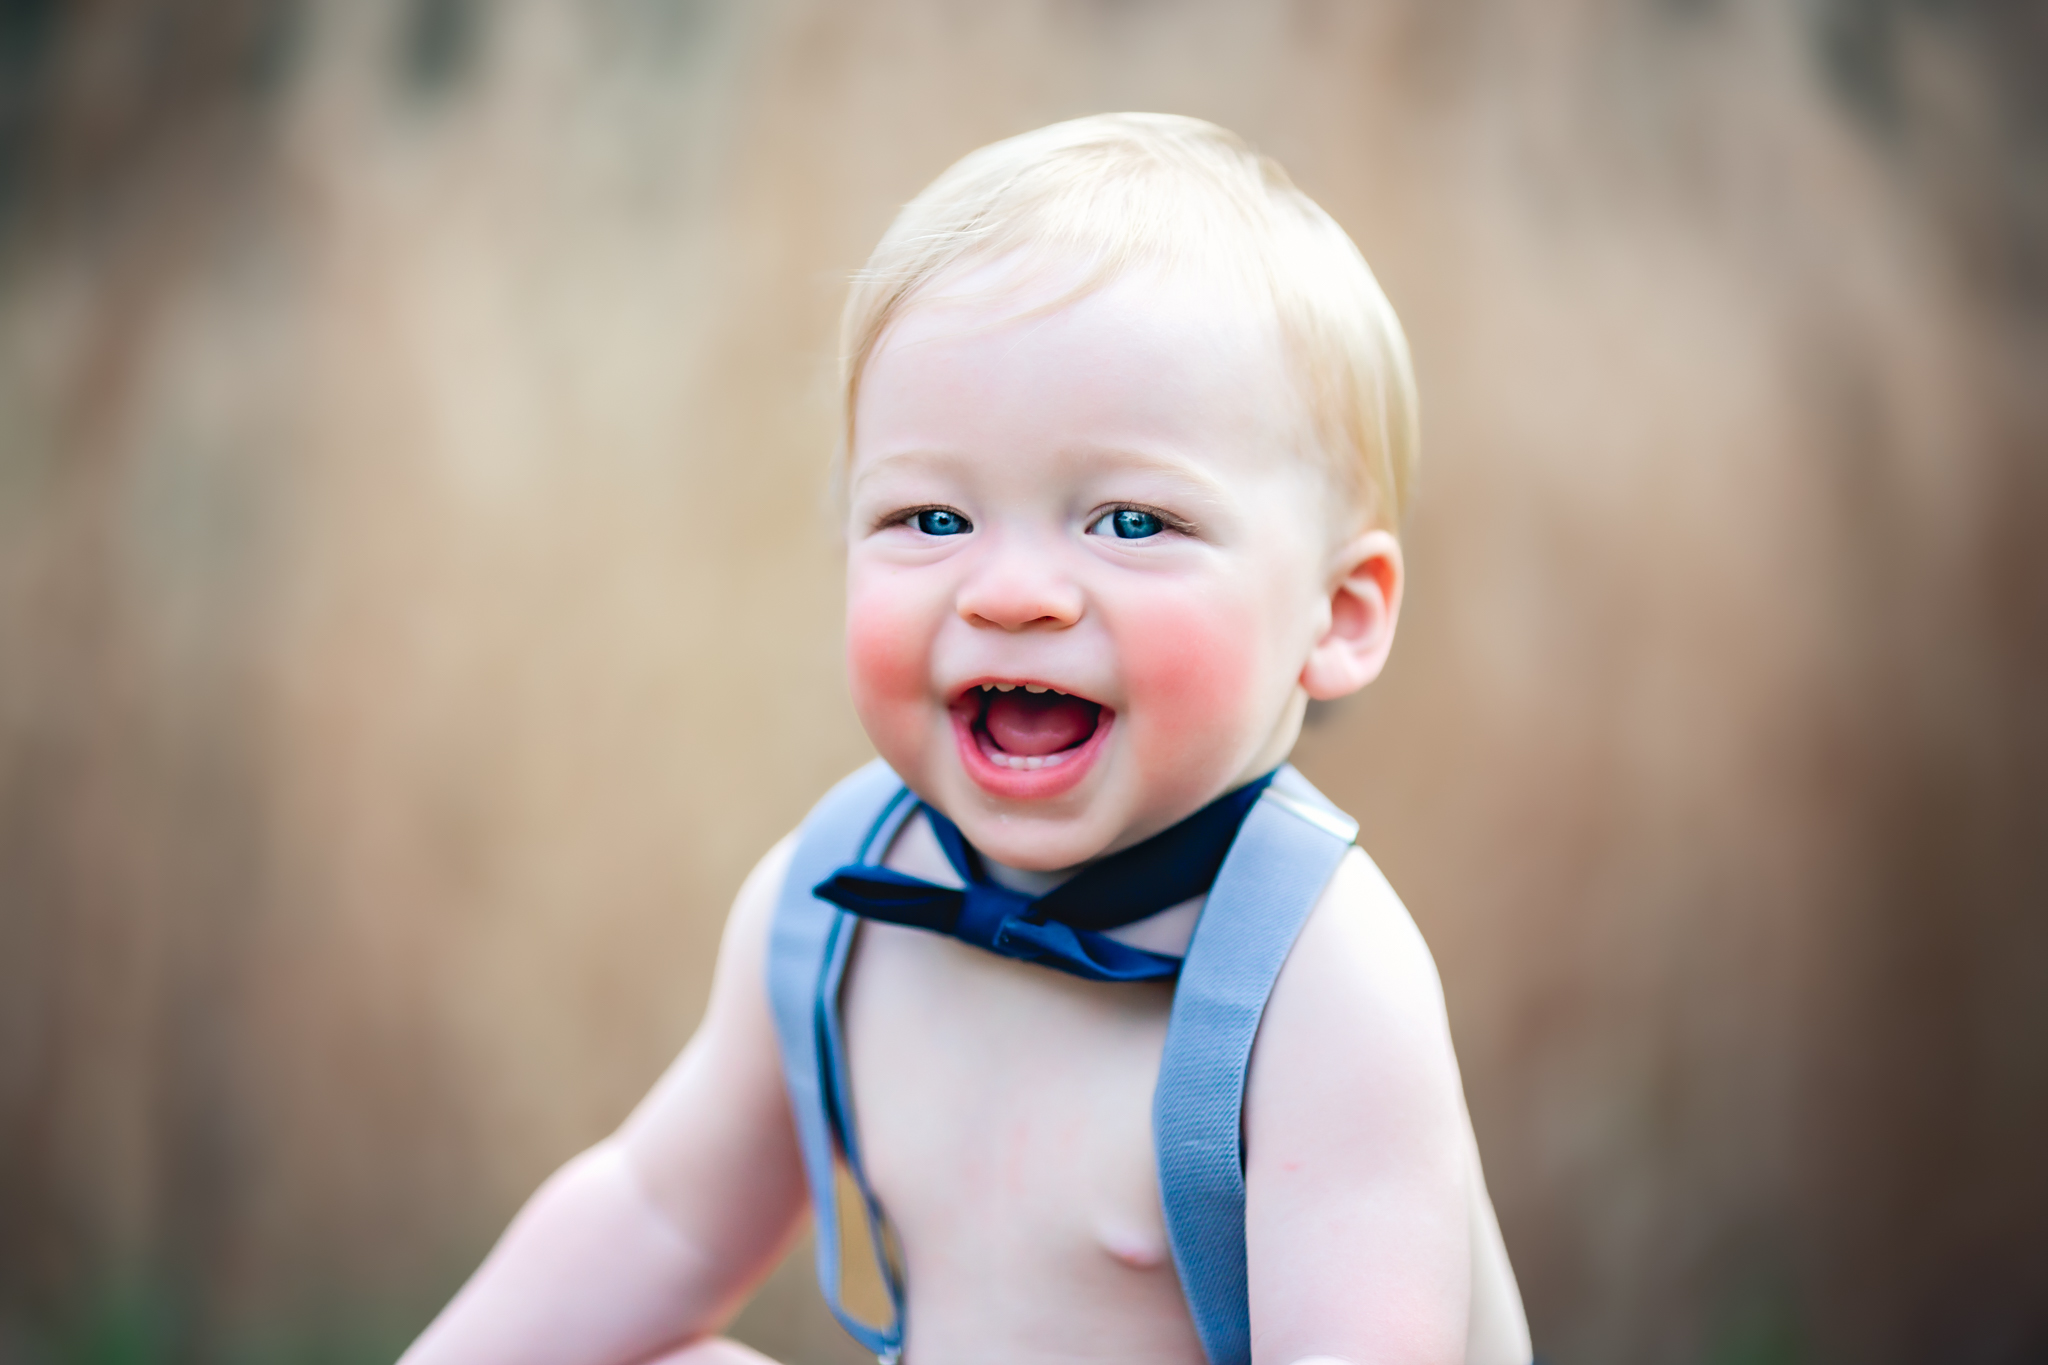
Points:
(1027, 880)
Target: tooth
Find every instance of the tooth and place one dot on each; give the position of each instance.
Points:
(1034, 688)
(1034, 762)
(1006, 687)
(1054, 760)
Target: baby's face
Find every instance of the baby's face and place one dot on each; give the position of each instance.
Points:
(1086, 562)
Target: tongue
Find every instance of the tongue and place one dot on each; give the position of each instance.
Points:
(1039, 723)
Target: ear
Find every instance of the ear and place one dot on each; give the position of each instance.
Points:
(1365, 601)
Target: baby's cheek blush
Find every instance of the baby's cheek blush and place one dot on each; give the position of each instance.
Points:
(1192, 669)
(888, 659)
(882, 658)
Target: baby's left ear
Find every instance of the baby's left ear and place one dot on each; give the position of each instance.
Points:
(1365, 600)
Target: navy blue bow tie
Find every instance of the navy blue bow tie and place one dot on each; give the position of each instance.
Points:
(1063, 928)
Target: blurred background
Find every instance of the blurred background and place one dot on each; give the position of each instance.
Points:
(419, 607)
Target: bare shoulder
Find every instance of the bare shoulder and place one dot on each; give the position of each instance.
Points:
(753, 912)
(721, 1104)
(1357, 1224)
(1361, 960)
(738, 987)
(754, 907)
(1355, 1032)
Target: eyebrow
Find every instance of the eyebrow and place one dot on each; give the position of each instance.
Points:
(1126, 457)
(913, 456)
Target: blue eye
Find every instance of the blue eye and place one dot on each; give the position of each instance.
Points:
(1131, 524)
(938, 521)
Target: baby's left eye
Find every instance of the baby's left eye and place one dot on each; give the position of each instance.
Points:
(942, 521)
(1128, 523)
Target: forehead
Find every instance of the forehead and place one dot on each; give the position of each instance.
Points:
(998, 356)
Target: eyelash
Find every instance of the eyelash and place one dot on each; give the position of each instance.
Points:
(1167, 519)
(910, 514)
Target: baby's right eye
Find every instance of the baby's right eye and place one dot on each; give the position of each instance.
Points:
(942, 521)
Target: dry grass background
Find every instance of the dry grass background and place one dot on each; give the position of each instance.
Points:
(418, 609)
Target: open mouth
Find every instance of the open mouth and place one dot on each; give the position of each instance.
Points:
(1028, 726)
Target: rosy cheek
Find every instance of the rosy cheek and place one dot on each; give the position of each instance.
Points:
(1193, 668)
(888, 655)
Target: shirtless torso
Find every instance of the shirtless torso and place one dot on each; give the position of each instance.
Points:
(1008, 1134)
(1005, 1112)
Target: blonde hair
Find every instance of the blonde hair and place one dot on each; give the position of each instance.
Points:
(1116, 191)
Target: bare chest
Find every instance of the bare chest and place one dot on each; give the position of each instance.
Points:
(1004, 1113)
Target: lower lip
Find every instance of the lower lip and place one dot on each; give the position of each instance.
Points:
(1030, 784)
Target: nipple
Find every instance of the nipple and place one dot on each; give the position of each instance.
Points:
(1140, 1248)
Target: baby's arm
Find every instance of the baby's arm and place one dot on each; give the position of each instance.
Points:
(1360, 1175)
(645, 1244)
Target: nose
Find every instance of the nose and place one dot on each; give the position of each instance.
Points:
(1017, 587)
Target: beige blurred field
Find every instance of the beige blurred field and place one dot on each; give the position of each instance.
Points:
(419, 606)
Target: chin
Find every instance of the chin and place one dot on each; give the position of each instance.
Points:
(1031, 835)
(1052, 846)
(1051, 850)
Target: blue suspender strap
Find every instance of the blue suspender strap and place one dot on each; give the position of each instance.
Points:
(1284, 855)
(807, 955)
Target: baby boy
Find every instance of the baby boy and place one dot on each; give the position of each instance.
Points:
(1129, 1053)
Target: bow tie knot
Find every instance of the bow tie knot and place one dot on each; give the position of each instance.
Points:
(987, 910)
(1063, 928)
